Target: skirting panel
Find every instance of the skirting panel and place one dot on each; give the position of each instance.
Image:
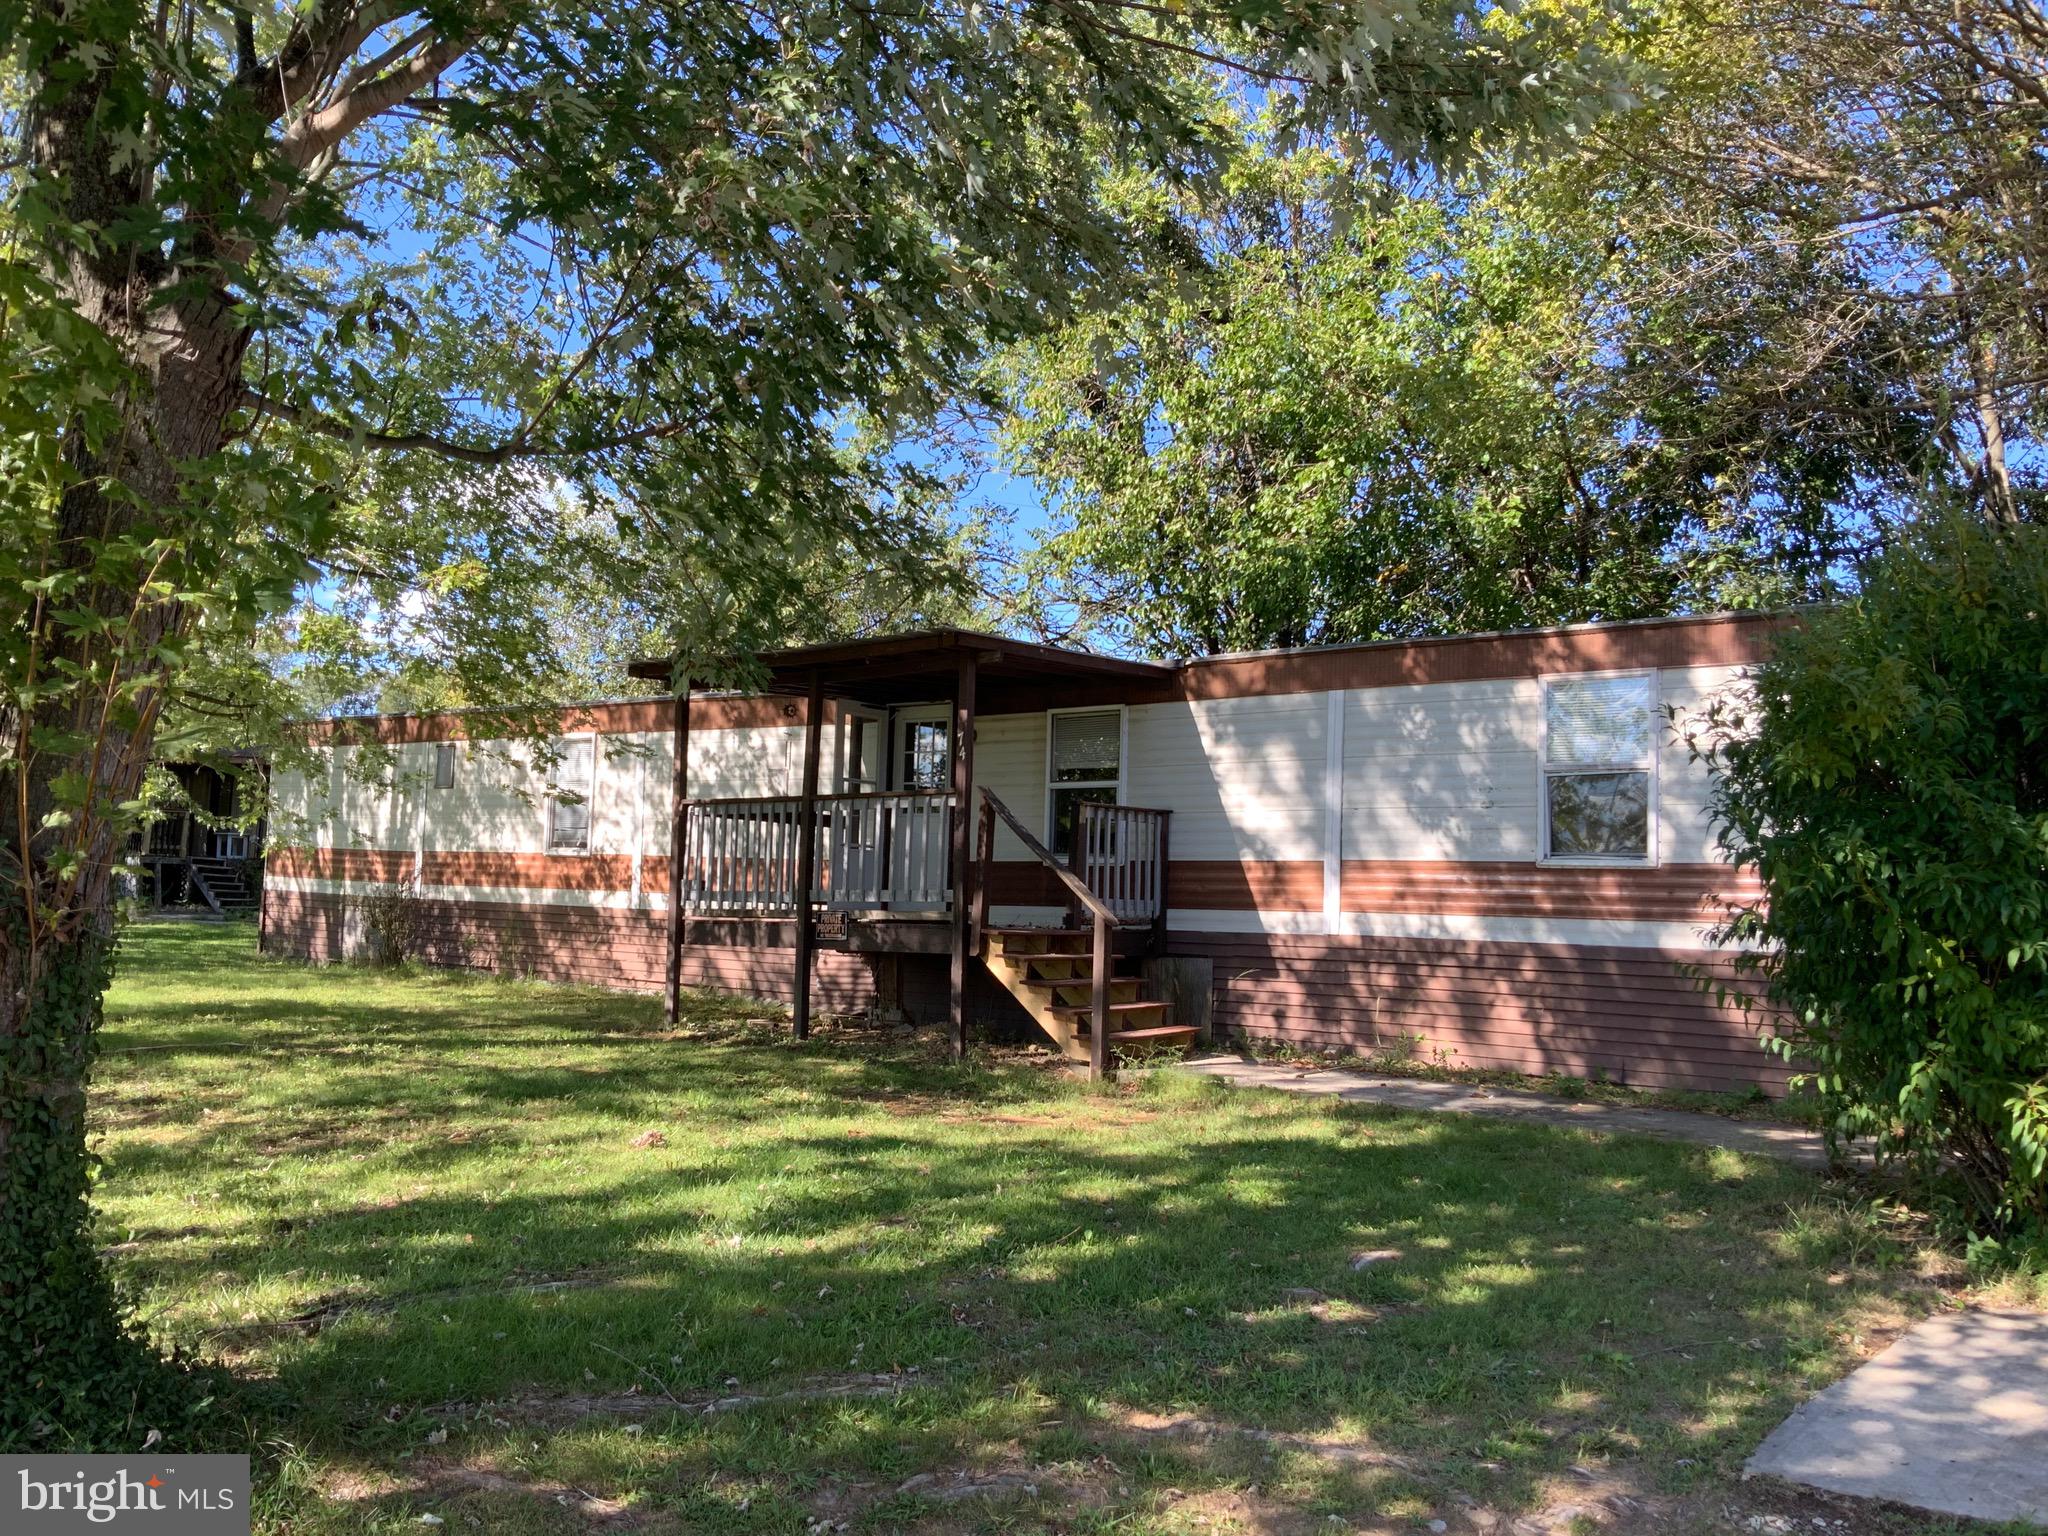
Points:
(598, 946)
(1635, 1016)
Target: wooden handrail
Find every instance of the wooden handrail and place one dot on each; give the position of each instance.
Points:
(1073, 882)
(1101, 920)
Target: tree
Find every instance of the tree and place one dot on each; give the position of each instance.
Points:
(657, 251)
(1884, 779)
(1455, 411)
(1903, 140)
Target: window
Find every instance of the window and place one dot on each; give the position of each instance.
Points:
(444, 765)
(1084, 761)
(927, 762)
(1599, 768)
(569, 796)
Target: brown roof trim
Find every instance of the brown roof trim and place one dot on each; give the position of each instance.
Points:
(1722, 639)
(1021, 677)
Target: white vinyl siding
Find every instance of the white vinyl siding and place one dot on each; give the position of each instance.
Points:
(1009, 759)
(1442, 771)
(1243, 777)
(1429, 772)
(1685, 830)
(748, 760)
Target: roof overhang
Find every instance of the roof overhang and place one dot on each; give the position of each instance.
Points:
(925, 664)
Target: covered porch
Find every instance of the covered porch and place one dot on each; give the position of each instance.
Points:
(888, 843)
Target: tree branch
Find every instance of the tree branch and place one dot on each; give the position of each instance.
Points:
(518, 446)
(317, 132)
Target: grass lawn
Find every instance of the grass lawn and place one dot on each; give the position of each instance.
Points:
(489, 1249)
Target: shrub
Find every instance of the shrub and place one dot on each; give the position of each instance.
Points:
(1887, 780)
(392, 921)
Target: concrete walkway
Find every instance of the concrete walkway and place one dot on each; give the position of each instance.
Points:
(1767, 1138)
(1953, 1418)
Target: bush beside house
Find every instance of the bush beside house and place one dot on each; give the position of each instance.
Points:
(1888, 782)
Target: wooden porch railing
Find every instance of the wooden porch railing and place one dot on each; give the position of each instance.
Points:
(888, 851)
(185, 837)
(1120, 853)
(740, 855)
(874, 852)
(167, 838)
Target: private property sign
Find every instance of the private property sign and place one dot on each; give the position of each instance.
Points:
(142, 1495)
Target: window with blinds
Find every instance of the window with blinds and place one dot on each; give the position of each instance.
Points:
(1085, 761)
(569, 791)
(1599, 767)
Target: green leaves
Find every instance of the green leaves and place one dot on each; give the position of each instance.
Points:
(1886, 786)
(1434, 413)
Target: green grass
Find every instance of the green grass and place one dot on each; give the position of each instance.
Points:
(423, 1215)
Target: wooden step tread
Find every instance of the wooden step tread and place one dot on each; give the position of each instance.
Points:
(1157, 1034)
(1054, 983)
(1084, 1011)
(1037, 933)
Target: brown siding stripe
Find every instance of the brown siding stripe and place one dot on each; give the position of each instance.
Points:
(1231, 885)
(1192, 885)
(1669, 893)
(1673, 893)
(524, 871)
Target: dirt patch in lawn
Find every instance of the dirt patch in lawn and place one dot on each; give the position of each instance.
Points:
(451, 1481)
(1185, 1426)
(562, 1408)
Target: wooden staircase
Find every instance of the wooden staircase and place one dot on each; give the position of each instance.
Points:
(1066, 978)
(1051, 973)
(223, 886)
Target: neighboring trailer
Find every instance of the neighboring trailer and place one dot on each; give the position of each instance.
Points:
(1490, 850)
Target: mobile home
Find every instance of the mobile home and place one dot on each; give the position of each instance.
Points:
(1490, 850)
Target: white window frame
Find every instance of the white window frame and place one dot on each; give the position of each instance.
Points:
(908, 717)
(588, 740)
(1653, 834)
(1123, 763)
(450, 753)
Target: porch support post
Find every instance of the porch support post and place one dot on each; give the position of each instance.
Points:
(807, 854)
(678, 823)
(961, 844)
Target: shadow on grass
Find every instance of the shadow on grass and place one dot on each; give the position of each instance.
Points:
(450, 1195)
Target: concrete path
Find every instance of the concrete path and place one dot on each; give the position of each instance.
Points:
(1952, 1418)
(1768, 1138)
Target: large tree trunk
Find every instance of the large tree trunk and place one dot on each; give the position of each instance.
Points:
(72, 1373)
(69, 1373)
